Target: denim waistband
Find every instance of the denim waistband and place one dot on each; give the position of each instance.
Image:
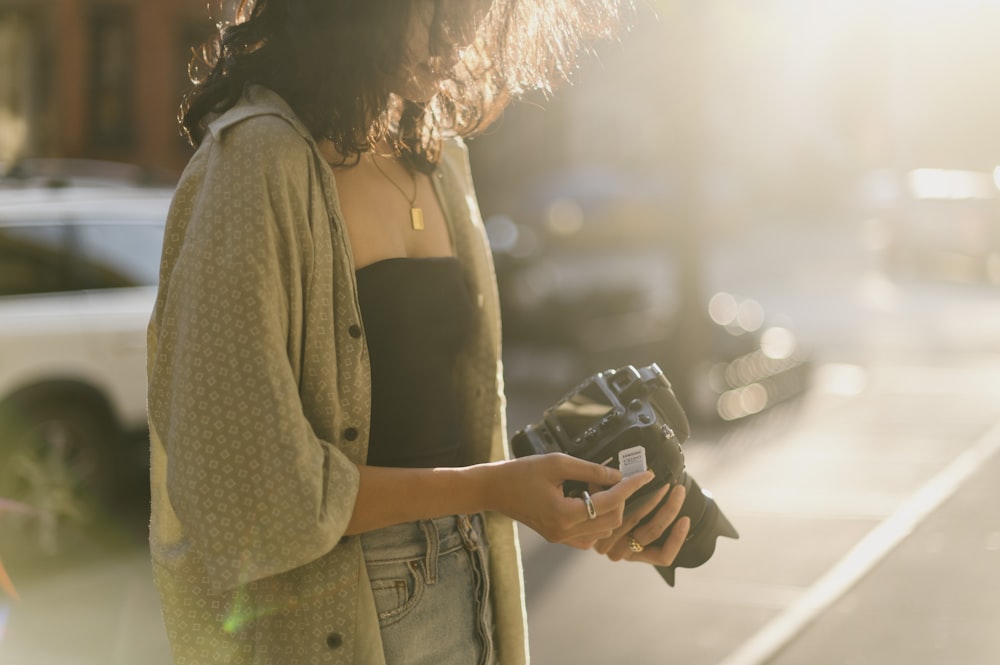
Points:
(413, 540)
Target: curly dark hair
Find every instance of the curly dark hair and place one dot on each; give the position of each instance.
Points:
(334, 62)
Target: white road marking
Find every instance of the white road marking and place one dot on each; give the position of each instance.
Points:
(768, 641)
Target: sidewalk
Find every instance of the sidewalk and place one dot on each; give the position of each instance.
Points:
(934, 599)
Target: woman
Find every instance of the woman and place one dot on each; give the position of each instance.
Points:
(329, 466)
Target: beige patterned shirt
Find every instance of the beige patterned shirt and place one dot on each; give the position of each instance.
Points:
(259, 401)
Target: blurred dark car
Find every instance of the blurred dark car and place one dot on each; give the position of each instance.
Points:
(941, 224)
(590, 275)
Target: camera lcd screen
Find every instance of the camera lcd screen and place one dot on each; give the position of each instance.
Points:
(582, 410)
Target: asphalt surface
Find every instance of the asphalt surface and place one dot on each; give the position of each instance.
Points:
(934, 599)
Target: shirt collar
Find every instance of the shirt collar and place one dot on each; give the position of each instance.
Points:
(257, 101)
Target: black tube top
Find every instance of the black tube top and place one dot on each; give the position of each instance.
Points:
(417, 315)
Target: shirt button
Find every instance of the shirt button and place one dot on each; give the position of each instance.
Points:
(334, 640)
(351, 433)
(354, 331)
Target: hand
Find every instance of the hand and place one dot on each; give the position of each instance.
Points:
(530, 490)
(616, 546)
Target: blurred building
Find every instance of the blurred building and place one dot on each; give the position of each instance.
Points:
(98, 79)
(776, 107)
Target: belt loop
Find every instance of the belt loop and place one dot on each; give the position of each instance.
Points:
(433, 546)
(468, 531)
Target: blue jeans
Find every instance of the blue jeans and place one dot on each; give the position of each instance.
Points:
(432, 591)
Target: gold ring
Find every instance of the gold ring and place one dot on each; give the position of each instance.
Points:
(634, 545)
(591, 509)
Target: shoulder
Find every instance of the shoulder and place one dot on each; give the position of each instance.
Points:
(260, 130)
(255, 161)
(266, 142)
(252, 160)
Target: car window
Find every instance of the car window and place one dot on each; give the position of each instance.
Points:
(55, 256)
(33, 259)
(116, 255)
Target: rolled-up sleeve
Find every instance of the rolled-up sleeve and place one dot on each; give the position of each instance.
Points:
(253, 488)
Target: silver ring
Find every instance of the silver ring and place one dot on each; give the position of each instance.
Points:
(591, 510)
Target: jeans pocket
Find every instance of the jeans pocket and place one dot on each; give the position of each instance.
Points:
(397, 589)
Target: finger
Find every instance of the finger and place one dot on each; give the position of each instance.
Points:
(585, 542)
(652, 529)
(620, 550)
(613, 547)
(616, 545)
(577, 524)
(574, 468)
(589, 506)
(638, 512)
(594, 529)
(662, 518)
(632, 518)
(665, 554)
(609, 505)
(614, 497)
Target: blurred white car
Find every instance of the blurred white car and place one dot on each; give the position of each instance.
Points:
(78, 274)
(939, 223)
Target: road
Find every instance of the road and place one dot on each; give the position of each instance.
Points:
(869, 522)
(869, 519)
(840, 516)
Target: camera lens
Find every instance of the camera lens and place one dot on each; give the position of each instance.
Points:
(707, 524)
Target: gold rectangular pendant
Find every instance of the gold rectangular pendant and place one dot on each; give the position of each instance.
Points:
(417, 219)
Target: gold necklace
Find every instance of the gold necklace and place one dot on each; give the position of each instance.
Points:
(416, 213)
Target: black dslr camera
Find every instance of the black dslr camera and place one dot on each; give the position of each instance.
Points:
(617, 417)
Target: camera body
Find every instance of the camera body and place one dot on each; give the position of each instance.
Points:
(612, 411)
(605, 419)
